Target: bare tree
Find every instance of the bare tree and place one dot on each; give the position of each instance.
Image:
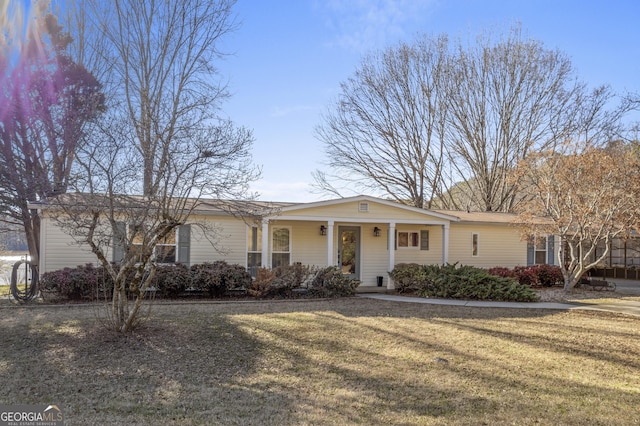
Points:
(161, 149)
(586, 198)
(46, 102)
(385, 132)
(433, 124)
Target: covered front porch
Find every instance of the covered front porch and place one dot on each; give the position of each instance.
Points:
(366, 244)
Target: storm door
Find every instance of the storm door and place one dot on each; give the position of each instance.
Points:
(349, 250)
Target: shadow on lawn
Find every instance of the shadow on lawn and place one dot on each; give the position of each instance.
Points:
(168, 372)
(338, 361)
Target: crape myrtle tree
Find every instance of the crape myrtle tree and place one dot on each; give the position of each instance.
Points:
(441, 124)
(47, 100)
(162, 148)
(587, 198)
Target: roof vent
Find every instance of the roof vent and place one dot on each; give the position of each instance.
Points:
(363, 207)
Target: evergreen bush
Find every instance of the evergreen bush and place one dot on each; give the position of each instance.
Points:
(464, 282)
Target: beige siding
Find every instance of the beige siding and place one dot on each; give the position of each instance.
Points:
(225, 240)
(374, 255)
(499, 245)
(307, 245)
(219, 238)
(59, 250)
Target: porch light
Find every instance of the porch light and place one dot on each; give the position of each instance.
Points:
(323, 230)
(376, 232)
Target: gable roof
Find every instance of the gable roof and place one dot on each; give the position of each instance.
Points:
(369, 199)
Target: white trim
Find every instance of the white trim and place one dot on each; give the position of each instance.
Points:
(392, 253)
(249, 230)
(367, 198)
(357, 220)
(445, 244)
(266, 251)
(546, 249)
(330, 242)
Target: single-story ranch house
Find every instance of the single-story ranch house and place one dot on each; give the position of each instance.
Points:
(354, 233)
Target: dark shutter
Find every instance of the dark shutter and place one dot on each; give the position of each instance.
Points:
(119, 237)
(531, 253)
(550, 251)
(184, 244)
(424, 240)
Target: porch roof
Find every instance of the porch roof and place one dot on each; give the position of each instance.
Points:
(330, 210)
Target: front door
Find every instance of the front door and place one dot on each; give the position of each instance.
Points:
(349, 250)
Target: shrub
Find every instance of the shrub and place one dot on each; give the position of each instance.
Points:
(331, 282)
(500, 271)
(535, 275)
(171, 280)
(468, 282)
(280, 281)
(283, 282)
(526, 275)
(408, 277)
(549, 275)
(261, 285)
(79, 283)
(218, 277)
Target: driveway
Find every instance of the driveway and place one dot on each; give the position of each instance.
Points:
(629, 287)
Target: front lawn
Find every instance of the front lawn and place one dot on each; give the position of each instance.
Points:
(344, 361)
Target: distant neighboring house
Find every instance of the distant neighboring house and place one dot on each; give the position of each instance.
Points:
(363, 235)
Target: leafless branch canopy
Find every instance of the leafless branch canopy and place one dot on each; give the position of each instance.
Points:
(443, 124)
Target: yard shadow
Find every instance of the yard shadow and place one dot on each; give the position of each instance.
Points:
(176, 369)
(343, 361)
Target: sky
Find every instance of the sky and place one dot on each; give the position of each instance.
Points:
(288, 58)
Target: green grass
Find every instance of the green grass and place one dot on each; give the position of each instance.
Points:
(347, 361)
(4, 290)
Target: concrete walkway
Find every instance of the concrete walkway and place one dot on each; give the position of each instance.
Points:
(619, 306)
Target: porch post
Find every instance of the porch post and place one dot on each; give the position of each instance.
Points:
(265, 244)
(392, 253)
(329, 243)
(445, 243)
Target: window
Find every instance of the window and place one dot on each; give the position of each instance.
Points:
(165, 249)
(175, 247)
(475, 244)
(363, 207)
(407, 239)
(540, 247)
(424, 240)
(281, 247)
(254, 250)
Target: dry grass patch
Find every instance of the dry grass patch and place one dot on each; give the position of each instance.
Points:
(347, 361)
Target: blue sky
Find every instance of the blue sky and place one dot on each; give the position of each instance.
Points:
(289, 58)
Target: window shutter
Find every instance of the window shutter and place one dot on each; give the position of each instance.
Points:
(119, 237)
(530, 253)
(424, 240)
(550, 251)
(184, 244)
